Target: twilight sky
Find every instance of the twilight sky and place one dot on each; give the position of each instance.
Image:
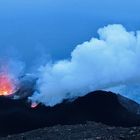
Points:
(32, 29)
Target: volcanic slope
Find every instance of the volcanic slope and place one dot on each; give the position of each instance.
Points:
(17, 116)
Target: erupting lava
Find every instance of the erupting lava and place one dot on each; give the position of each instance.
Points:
(7, 85)
(34, 105)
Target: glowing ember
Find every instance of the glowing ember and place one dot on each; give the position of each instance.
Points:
(7, 86)
(34, 105)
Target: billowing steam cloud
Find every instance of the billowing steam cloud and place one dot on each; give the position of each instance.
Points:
(110, 61)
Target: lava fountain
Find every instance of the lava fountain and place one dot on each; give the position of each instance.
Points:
(7, 85)
(34, 105)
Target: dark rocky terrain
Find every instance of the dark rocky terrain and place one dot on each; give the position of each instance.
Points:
(88, 131)
(68, 120)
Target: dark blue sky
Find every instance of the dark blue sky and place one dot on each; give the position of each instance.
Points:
(31, 28)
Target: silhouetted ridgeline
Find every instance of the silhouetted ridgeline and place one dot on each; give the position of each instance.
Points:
(17, 116)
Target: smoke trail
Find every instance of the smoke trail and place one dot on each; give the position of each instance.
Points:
(112, 60)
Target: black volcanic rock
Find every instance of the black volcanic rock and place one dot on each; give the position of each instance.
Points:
(88, 131)
(17, 115)
(130, 105)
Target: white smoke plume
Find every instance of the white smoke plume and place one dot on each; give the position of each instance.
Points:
(101, 63)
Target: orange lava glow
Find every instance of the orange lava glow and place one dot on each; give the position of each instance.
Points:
(7, 87)
(34, 105)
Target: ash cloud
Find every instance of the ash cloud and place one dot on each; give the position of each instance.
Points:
(108, 61)
(11, 66)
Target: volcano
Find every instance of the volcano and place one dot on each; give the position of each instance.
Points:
(17, 115)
